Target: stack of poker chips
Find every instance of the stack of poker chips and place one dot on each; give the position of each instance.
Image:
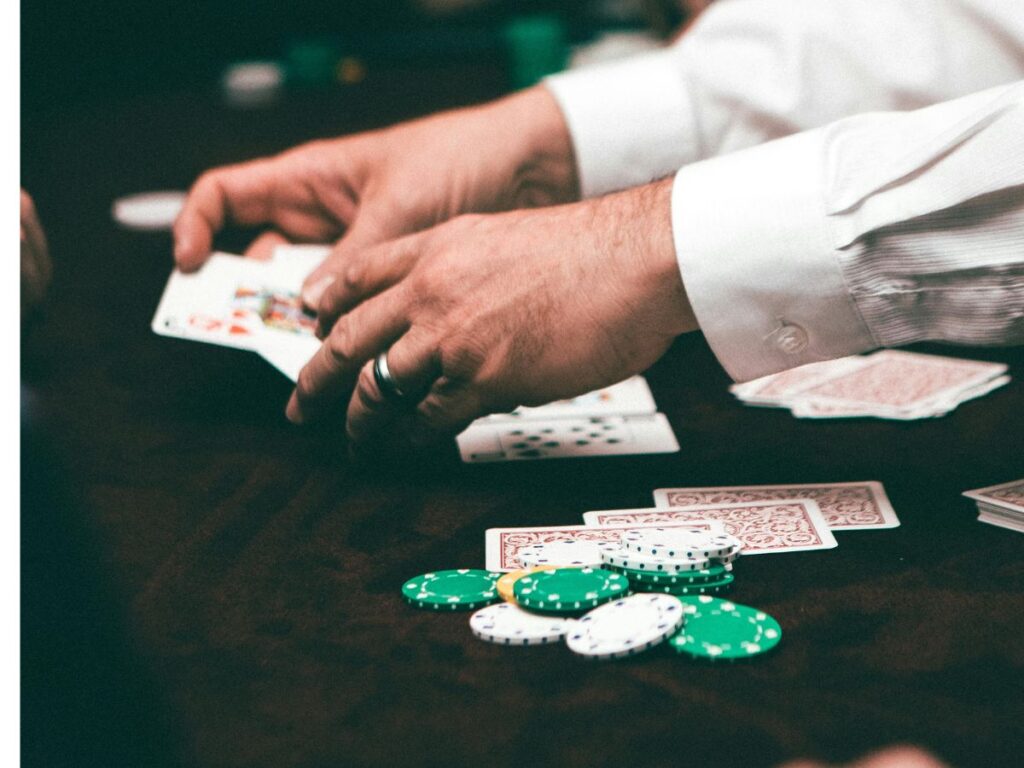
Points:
(676, 561)
(591, 606)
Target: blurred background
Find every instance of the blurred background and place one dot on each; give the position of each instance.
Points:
(89, 49)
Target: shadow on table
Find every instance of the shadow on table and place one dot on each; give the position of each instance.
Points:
(87, 698)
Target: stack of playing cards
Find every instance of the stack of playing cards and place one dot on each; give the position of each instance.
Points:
(890, 384)
(246, 304)
(764, 518)
(1001, 505)
(618, 420)
(255, 305)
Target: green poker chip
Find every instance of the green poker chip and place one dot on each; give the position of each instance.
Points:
(706, 588)
(721, 629)
(568, 590)
(455, 590)
(703, 576)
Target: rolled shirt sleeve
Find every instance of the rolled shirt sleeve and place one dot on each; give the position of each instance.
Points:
(878, 230)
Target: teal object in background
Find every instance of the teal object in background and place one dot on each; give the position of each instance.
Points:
(537, 47)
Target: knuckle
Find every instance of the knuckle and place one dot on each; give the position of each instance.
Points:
(340, 344)
(354, 276)
(462, 357)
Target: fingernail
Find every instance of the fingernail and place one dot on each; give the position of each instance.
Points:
(292, 411)
(312, 294)
(181, 248)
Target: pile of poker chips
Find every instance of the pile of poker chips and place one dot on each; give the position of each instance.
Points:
(676, 561)
(592, 607)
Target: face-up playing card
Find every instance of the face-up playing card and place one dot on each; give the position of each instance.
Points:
(201, 306)
(846, 506)
(1006, 496)
(629, 397)
(566, 438)
(503, 544)
(786, 525)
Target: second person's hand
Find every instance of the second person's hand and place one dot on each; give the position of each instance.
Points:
(375, 186)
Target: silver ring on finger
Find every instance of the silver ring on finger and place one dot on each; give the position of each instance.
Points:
(386, 383)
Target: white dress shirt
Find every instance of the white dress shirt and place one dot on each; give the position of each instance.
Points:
(864, 226)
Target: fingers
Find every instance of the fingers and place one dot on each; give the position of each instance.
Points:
(363, 233)
(262, 248)
(414, 363)
(356, 338)
(363, 275)
(242, 192)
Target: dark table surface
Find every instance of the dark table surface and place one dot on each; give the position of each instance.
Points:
(205, 584)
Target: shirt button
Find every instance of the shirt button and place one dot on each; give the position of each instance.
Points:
(791, 339)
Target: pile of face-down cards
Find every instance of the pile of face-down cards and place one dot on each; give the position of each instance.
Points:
(1001, 505)
(610, 599)
(890, 384)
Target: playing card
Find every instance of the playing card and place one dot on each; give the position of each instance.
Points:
(785, 525)
(776, 388)
(503, 544)
(202, 305)
(1006, 496)
(485, 440)
(846, 506)
(1003, 521)
(895, 383)
(630, 397)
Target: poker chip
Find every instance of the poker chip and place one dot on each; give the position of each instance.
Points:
(508, 624)
(634, 561)
(507, 582)
(566, 590)
(626, 627)
(713, 572)
(722, 629)
(148, 211)
(707, 588)
(689, 543)
(455, 590)
(567, 553)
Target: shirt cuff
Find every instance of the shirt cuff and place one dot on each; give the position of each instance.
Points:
(630, 122)
(756, 255)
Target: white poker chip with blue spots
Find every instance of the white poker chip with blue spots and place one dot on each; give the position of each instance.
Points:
(626, 627)
(508, 624)
(566, 553)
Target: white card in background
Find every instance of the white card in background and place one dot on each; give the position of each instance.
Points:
(630, 397)
(785, 525)
(530, 439)
(845, 506)
(503, 544)
(201, 306)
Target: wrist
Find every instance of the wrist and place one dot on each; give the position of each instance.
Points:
(645, 213)
(544, 165)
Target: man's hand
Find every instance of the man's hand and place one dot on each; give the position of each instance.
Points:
(376, 186)
(485, 313)
(36, 269)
